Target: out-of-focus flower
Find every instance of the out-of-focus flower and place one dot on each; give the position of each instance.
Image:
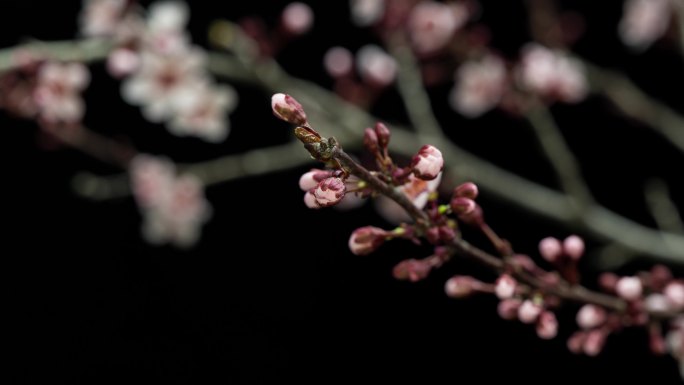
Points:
(547, 325)
(122, 62)
(529, 311)
(552, 74)
(297, 18)
(431, 24)
(338, 61)
(366, 12)
(644, 21)
(57, 93)
(416, 190)
(590, 316)
(674, 292)
(479, 86)
(629, 288)
(101, 17)
(505, 286)
(174, 207)
(376, 66)
(201, 111)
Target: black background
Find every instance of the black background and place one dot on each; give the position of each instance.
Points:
(271, 294)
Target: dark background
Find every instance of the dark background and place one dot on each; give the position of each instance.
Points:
(271, 294)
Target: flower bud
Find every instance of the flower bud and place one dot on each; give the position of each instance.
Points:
(412, 270)
(505, 286)
(329, 192)
(528, 312)
(593, 344)
(285, 107)
(576, 342)
(427, 163)
(573, 246)
(312, 178)
(310, 201)
(547, 325)
(629, 288)
(608, 281)
(462, 205)
(466, 190)
(370, 140)
(383, 134)
(365, 240)
(674, 292)
(508, 308)
(590, 316)
(460, 286)
(550, 249)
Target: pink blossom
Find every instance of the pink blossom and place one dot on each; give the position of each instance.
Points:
(590, 316)
(547, 325)
(311, 179)
(367, 12)
(629, 288)
(431, 24)
(416, 190)
(644, 21)
(479, 87)
(122, 62)
(287, 108)
(674, 292)
(167, 16)
(310, 201)
(201, 111)
(174, 208)
(427, 163)
(508, 308)
(657, 303)
(505, 286)
(594, 342)
(365, 240)
(57, 92)
(573, 246)
(461, 286)
(552, 74)
(376, 66)
(297, 18)
(551, 249)
(338, 61)
(329, 191)
(528, 312)
(101, 17)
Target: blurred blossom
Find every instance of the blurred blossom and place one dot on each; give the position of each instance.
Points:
(366, 12)
(431, 24)
(479, 86)
(375, 65)
(57, 92)
(552, 74)
(174, 208)
(167, 16)
(297, 18)
(644, 21)
(417, 191)
(338, 61)
(122, 62)
(201, 111)
(101, 18)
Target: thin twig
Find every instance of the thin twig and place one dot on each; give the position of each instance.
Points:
(663, 209)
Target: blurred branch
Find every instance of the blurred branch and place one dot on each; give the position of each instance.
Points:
(663, 209)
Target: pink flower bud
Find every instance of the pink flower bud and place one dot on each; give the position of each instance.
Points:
(547, 325)
(285, 107)
(338, 61)
(329, 192)
(528, 312)
(312, 178)
(608, 281)
(508, 308)
(310, 201)
(383, 134)
(460, 286)
(674, 292)
(411, 269)
(590, 316)
(432, 235)
(365, 240)
(505, 286)
(629, 288)
(370, 140)
(122, 62)
(297, 18)
(428, 163)
(551, 249)
(660, 277)
(593, 344)
(462, 205)
(473, 217)
(573, 246)
(576, 342)
(466, 190)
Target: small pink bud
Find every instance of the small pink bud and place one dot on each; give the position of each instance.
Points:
(285, 107)
(608, 281)
(674, 292)
(573, 246)
(446, 234)
(463, 205)
(505, 286)
(590, 316)
(310, 201)
(629, 288)
(122, 62)
(473, 217)
(383, 134)
(365, 240)
(528, 312)
(297, 18)
(428, 163)
(508, 308)
(466, 190)
(432, 235)
(329, 192)
(550, 249)
(460, 286)
(370, 140)
(547, 325)
(593, 344)
(412, 270)
(576, 342)
(312, 178)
